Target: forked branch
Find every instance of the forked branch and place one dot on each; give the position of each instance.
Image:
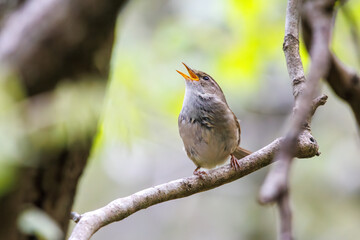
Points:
(276, 185)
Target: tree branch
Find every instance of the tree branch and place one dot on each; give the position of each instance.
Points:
(285, 216)
(90, 222)
(346, 84)
(303, 92)
(275, 187)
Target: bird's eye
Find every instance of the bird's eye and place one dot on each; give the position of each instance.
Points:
(206, 78)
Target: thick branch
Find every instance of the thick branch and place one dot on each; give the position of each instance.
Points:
(42, 42)
(121, 208)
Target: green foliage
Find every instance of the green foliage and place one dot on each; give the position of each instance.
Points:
(343, 43)
(11, 142)
(44, 123)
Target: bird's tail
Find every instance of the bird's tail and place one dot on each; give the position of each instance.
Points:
(241, 152)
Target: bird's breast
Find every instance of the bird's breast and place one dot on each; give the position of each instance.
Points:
(209, 132)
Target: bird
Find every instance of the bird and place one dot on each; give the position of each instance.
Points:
(209, 129)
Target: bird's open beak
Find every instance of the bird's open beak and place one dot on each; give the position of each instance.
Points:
(193, 76)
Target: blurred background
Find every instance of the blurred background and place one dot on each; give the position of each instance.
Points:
(239, 43)
(137, 145)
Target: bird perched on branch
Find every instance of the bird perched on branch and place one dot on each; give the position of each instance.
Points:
(209, 129)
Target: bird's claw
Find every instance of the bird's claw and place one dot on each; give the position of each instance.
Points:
(234, 162)
(201, 174)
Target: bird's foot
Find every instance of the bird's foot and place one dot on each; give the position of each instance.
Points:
(201, 174)
(234, 162)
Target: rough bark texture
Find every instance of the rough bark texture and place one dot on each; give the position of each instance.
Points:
(44, 42)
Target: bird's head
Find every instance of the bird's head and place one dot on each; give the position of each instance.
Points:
(201, 82)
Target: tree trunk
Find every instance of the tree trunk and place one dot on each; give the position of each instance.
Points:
(58, 40)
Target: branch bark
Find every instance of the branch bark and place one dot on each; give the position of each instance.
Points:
(90, 222)
(346, 84)
(303, 91)
(276, 184)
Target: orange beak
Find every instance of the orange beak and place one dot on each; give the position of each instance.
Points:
(193, 76)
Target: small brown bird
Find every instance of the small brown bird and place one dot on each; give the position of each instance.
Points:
(209, 129)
